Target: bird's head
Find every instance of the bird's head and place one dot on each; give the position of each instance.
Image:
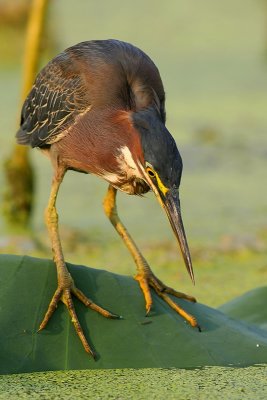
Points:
(162, 169)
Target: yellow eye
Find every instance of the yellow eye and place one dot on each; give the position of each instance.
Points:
(151, 173)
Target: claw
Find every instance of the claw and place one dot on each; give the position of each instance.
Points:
(163, 291)
(65, 295)
(148, 311)
(146, 291)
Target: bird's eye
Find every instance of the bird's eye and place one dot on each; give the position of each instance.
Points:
(151, 173)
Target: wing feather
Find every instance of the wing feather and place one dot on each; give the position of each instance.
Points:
(58, 97)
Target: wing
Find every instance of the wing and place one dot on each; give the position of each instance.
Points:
(58, 97)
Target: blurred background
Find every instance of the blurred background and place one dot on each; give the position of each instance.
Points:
(212, 60)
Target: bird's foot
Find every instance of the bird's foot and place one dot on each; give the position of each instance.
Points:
(64, 293)
(148, 280)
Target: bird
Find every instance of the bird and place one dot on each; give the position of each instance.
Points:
(98, 108)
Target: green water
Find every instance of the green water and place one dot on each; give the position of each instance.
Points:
(206, 383)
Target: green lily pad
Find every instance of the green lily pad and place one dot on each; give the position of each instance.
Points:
(162, 340)
(250, 307)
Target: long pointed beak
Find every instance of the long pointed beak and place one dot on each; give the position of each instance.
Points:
(171, 204)
(169, 200)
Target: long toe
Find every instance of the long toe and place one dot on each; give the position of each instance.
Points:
(90, 304)
(65, 295)
(148, 281)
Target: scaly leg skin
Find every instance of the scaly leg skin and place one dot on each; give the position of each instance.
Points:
(145, 276)
(66, 287)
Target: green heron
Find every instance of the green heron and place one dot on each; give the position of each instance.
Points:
(99, 107)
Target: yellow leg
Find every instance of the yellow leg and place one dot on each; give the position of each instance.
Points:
(66, 286)
(144, 276)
